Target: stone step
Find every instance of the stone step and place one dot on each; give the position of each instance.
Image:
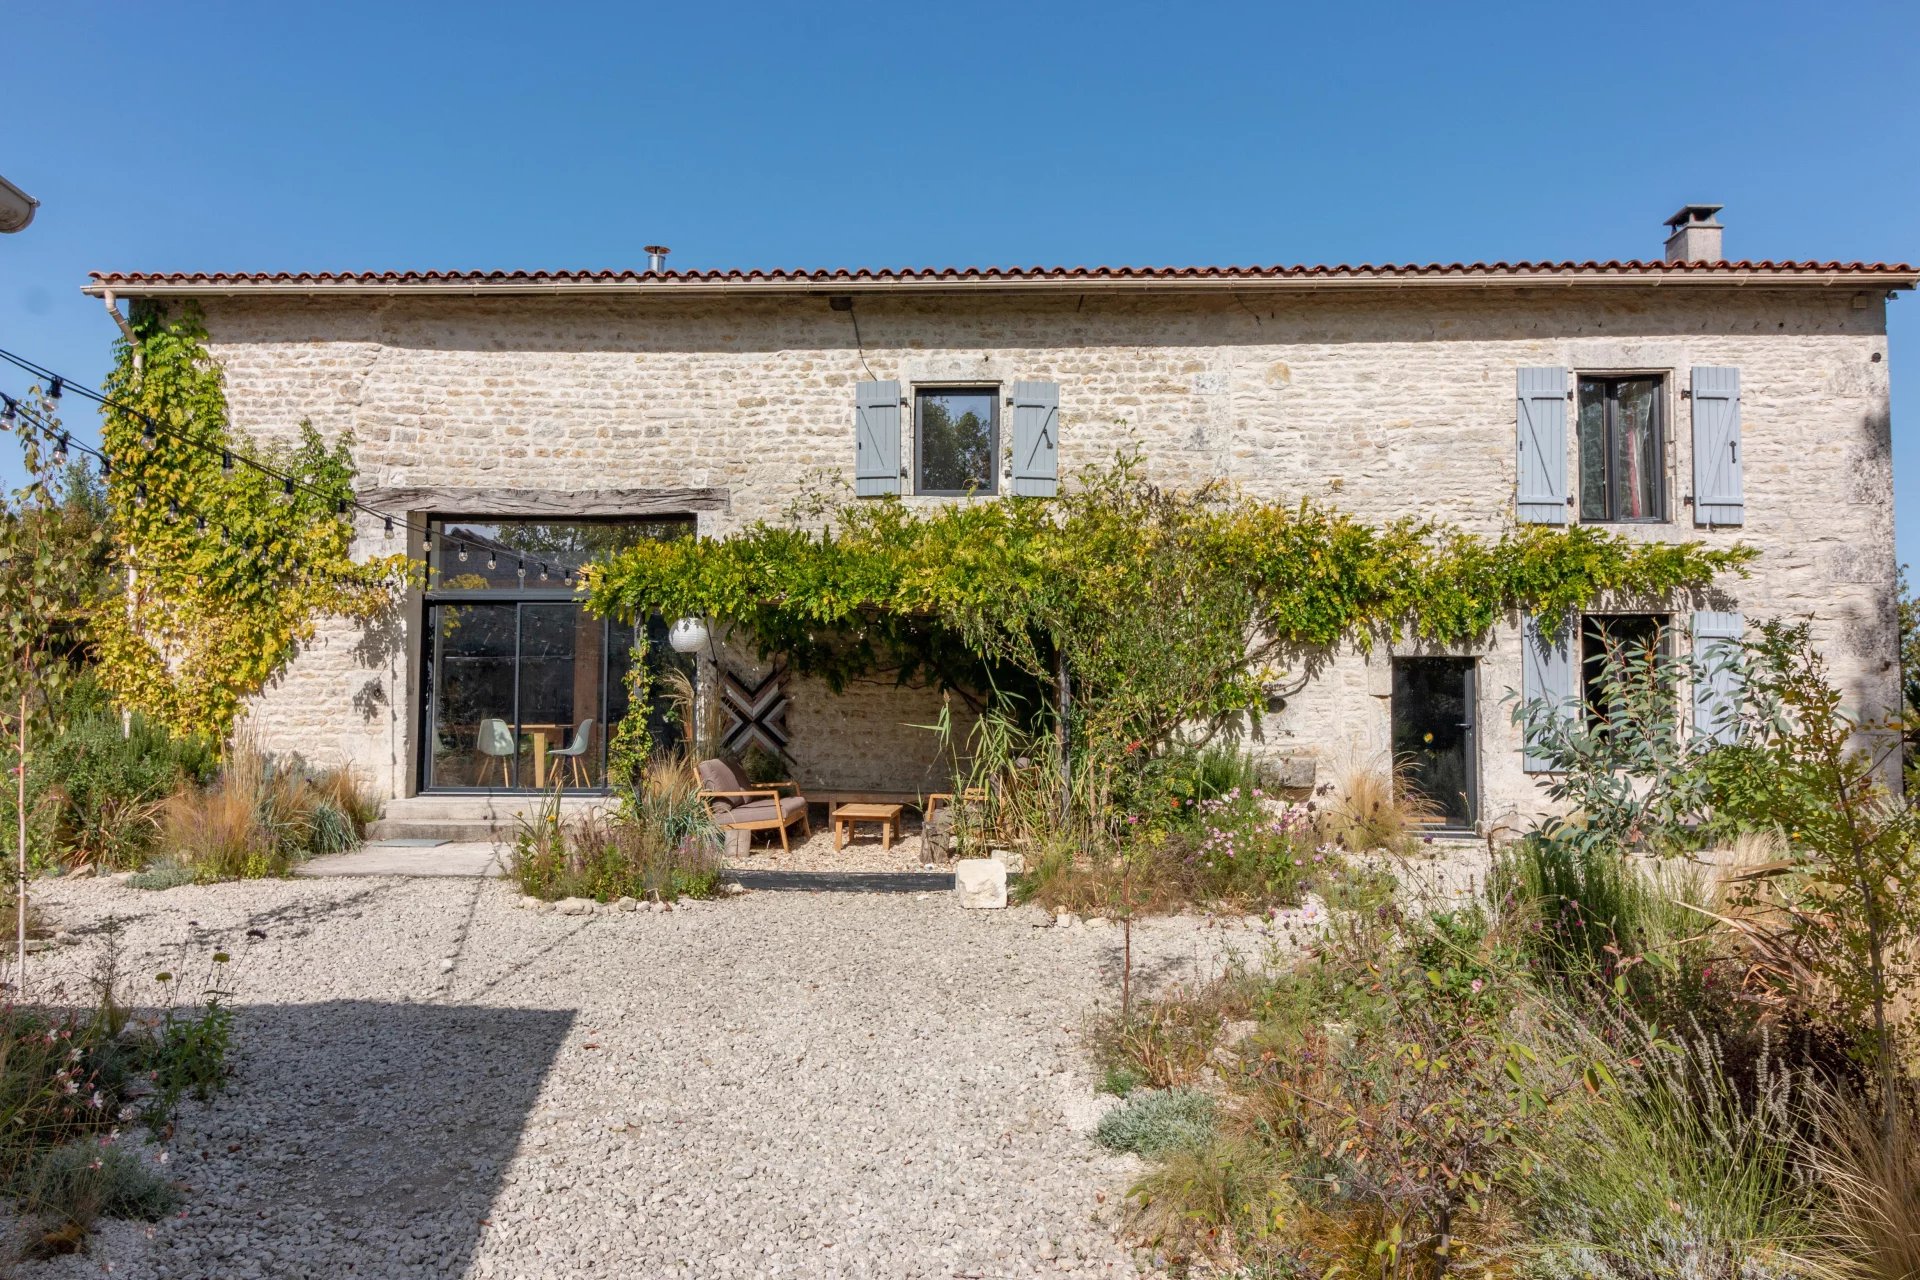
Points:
(466, 818)
(441, 829)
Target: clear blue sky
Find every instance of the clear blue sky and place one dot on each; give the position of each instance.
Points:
(359, 135)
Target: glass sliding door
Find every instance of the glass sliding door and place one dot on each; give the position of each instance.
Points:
(474, 710)
(521, 682)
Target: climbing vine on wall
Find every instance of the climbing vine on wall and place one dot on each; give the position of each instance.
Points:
(1163, 607)
(229, 572)
(630, 745)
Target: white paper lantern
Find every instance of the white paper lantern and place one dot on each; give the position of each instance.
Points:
(688, 635)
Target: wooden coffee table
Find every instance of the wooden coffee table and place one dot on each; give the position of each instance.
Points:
(887, 815)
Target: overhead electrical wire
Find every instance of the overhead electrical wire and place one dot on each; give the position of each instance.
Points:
(13, 409)
(151, 430)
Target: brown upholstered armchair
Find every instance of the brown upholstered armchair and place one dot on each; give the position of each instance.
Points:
(738, 805)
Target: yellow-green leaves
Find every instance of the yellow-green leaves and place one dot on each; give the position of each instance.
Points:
(212, 614)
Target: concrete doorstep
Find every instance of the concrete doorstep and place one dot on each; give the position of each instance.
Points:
(463, 858)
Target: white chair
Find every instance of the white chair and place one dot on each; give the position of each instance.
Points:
(496, 740)
(574, 754)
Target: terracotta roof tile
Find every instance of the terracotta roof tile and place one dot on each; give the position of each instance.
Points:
(1898, 274)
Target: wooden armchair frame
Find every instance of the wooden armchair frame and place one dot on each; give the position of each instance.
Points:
(760, 791)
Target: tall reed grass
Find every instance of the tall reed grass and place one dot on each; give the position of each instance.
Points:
(262, 814)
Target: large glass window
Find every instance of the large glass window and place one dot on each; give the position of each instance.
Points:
(957, 439)
(1622, 453)
(521, 681)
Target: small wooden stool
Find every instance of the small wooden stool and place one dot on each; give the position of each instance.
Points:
(845, 815)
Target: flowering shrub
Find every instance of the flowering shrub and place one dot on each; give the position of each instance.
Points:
(71, 1081)
(1246, 847)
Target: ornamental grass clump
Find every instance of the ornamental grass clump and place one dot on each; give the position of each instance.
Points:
(660, 845)
(263, 814)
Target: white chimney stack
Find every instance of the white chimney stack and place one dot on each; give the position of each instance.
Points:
(1695, 236)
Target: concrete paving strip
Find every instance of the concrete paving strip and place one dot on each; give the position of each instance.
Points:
(475, 858)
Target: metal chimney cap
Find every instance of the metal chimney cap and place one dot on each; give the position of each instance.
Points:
(1695, 215)
(663, 251)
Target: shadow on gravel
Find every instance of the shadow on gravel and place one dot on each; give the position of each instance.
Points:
(381, 1131)
(846, 881)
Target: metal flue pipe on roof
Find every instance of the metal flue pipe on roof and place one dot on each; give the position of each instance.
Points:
(657, 258)
(16, 207)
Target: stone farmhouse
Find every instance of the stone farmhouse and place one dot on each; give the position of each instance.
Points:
(531, 419)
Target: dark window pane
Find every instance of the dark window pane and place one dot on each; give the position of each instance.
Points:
(556, 546)
(1622, 458)
(1640, 637)
(956, 439)
(1593, 450)
(473, 743)
(1636, 451)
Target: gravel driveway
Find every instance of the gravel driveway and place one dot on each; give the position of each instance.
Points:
(432, 1081)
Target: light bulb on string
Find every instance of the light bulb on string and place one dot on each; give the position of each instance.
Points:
(226, 462)
(60, 449)
(463, 553)
(54, 388)
(491, 563)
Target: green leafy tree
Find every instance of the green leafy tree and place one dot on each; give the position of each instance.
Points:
(52, 566)
(1817, 774)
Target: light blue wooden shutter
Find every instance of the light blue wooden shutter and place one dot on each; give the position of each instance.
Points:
(1542, 446)
(1036, 439)
(1716, 686)
(876, 439)
(1718, 490)
(1546, 671)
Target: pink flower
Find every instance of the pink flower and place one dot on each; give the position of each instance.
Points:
(1476, 984)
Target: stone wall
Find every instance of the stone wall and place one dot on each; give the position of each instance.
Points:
(1386, 402)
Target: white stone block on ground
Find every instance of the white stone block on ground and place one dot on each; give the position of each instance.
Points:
(980, 883)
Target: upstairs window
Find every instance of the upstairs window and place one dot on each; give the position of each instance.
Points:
(1622, 450)
(956, 433)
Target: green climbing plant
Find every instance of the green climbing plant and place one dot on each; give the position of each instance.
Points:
(228, 570)
(630, 744)
(1137, 611)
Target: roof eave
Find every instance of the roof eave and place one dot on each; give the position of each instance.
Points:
(681, 287)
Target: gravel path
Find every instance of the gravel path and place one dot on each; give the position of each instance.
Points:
(431, 1081)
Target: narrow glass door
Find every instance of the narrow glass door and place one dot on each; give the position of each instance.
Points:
(472, 711)
(1434, 735)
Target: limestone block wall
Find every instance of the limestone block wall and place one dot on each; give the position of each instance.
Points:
(1385, 402)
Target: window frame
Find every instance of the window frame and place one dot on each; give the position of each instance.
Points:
(1663, 647)
(1661, 395)
(993, 392)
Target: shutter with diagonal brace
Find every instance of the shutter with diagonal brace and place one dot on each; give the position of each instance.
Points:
(1036, 439)
(1546, 674)
(1718, 488)
(876, 439)
(1716, 686)
(1542, 445)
